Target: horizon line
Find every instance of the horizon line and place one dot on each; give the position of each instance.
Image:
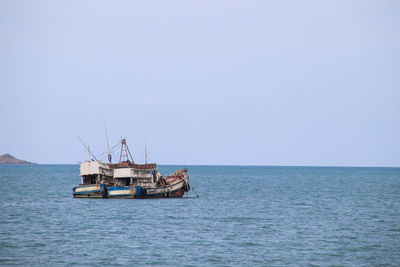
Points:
(236, 165)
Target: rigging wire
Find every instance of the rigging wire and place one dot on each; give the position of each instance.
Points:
(191, 185)
(87, 147)
(111, 150)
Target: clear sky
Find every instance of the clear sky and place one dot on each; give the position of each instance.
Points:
(205, 82)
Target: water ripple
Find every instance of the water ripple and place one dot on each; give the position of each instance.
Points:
(245, 216)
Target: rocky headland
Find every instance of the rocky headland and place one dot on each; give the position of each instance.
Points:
(8, 159)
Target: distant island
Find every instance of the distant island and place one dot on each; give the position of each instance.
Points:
(8, 159)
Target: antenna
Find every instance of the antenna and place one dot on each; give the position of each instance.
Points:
(145, 150)
(109, 151)
(88, 148)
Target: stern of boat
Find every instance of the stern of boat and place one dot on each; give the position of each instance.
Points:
(90, 191)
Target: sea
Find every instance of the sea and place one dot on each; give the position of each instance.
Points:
(237, 216)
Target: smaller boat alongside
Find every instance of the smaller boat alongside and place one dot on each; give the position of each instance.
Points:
(174, 186)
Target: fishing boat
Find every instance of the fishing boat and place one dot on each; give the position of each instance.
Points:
(175, 186)
(126, 179)
(95, 175)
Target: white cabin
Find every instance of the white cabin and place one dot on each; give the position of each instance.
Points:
(95, 172)
(132, 176)
(95, 168)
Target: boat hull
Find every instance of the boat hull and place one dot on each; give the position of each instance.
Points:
(122, 191)
(176, 190)
(172, 194)
(173, 186)
(90, 191)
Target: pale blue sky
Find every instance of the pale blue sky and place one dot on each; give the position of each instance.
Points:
(205, 82)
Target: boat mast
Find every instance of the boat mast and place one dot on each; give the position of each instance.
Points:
(109, 151)
(88, 149)
(125, 153)
(145, 150)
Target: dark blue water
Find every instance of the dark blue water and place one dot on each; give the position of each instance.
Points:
(245, 216)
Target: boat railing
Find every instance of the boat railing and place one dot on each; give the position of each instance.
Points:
(135, 166)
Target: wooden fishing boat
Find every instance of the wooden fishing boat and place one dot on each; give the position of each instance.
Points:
(95, 176)
(126, 179)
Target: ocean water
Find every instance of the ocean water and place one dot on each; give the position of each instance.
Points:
(245, 216)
